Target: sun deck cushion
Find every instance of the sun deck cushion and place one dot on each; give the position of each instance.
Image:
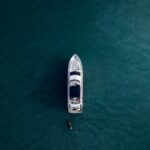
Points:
(75, 91)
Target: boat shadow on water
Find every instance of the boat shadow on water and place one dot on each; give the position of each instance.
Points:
(52, 88)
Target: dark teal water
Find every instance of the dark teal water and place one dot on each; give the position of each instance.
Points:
(37, 39)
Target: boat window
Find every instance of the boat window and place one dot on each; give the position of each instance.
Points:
(74, 73)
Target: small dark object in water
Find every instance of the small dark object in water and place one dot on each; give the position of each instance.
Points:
(70, 125)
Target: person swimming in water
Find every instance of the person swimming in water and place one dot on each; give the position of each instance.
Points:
(70, 125)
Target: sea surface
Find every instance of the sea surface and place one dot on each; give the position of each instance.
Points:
(37, 39)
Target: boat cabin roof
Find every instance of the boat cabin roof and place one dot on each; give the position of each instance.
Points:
(75, 91)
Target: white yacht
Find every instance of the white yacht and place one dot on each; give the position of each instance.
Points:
(75, 85)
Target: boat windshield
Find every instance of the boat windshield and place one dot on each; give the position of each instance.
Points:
(74, 82)
(74, 73)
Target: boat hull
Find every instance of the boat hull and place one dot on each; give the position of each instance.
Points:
(75, 85)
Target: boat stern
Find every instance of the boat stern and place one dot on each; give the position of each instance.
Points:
(75, 108)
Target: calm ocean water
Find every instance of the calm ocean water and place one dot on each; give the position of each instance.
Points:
(37, 39)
